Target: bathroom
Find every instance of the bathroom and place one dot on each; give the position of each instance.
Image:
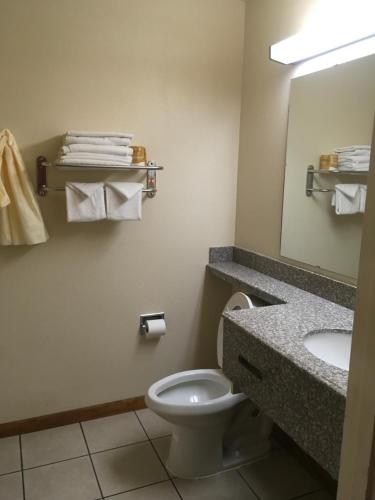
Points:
(194, 82)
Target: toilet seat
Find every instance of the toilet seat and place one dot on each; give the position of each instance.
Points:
(192, 392)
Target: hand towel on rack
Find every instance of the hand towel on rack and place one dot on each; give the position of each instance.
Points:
(93, 148)
(21, 222)
(99, 141)
(124, 200)
(87, 133)
(348, 199)
(85, 201)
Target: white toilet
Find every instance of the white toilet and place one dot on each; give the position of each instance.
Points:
(214, 429)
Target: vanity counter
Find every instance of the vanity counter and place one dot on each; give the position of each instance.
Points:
(292, 314)
(265, 358)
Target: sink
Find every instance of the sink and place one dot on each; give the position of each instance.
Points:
(332, 346)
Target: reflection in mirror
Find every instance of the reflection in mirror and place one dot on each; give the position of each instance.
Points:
(328, 110)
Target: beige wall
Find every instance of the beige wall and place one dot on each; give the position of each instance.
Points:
(264, 122)
(327, 109)
(169, 71)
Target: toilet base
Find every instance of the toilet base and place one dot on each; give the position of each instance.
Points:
(209, 461)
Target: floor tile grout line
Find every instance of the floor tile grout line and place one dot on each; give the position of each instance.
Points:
(175, 487)
(248, 485)
(80, 456)
(137, 488)
(298, 497)
(157, 454)
(166, 470)
(92, 463)
(22, 473)
(304, 495)
(54, 463)
(11, 472)
(118, 447)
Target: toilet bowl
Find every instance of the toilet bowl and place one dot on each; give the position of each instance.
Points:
(214, 429)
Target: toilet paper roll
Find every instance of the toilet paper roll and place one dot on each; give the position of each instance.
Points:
(155, 328)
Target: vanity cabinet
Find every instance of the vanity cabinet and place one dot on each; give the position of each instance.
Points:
(308, 410)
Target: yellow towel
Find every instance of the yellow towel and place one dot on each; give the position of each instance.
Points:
(21, 222)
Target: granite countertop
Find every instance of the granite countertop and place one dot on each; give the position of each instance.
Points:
(292, 314)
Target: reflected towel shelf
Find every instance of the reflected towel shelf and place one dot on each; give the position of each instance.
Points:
(42, 165)
(311, 171)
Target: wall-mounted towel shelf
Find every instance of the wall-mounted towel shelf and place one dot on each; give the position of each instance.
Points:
(42, 164)
(311, 172)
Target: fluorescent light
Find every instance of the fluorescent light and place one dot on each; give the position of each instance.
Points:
(345, 54)
(311, 43)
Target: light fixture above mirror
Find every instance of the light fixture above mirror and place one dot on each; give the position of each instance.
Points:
(337, 31)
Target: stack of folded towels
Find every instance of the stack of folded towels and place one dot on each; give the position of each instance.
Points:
(102, 149)
(354, 158)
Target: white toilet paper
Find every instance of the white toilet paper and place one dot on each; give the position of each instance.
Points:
(155, 328)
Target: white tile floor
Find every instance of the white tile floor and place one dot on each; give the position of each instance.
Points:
(122, 458)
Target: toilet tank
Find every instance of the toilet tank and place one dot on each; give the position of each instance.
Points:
(238, 301)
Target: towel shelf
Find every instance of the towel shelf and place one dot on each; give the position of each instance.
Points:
(42, 165)
(311, 171)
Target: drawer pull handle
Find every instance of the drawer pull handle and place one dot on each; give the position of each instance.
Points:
(251, 368)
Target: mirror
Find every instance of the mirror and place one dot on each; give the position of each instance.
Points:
(329, 109)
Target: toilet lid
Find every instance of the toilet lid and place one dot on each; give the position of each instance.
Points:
(238, 301)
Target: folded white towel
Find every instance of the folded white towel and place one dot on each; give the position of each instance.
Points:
(124, 200)
(359, 147)
(99, 141)
(355, 153)
(93, 148)
(84, 162)
(354, 158)
(359, 167)
(87, 133)
(85, 201)
(349, 198)
(109, 159)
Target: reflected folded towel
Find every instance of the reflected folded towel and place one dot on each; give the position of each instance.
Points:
(93, 148)
(99, 141)
(353, 149)
(354, 158)
(353, 166)
(87, 133)
(93, 159)
(349, 198)
(85, 201)
(124, 200)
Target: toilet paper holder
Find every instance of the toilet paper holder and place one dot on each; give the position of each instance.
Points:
(143, 318)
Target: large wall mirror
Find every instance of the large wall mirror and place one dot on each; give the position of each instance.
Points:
(330, 109)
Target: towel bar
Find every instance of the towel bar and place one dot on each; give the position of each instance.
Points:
(311, 171)
(42, 164)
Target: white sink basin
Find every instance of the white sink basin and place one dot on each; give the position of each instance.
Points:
(332, 346)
